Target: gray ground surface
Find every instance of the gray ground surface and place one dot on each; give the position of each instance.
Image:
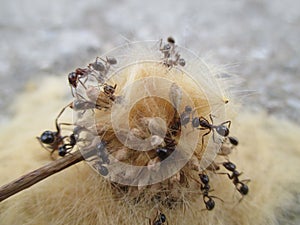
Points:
(259, 38)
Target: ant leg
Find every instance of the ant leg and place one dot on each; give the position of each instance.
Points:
(80, 96)
(211, 118)
(60, 113)
(193, 113)
(202, 142)
(51, 154)
(69, 149)
(72, 91)
(245, 181)
(214, 136)
(43, 144)
(82, 84)
(201, 117)
(229, 176)
(99, 58)
(212, 196)
(228, 121)
(65, 124)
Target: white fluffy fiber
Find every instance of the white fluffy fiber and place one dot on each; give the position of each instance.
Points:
(268, 154)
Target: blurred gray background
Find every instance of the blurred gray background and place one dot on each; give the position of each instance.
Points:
(257, 39)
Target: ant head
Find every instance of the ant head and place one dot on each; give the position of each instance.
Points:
(72, 77)
(204, 178)
(162, 217)
(229, 166)
(47, 137)
(103, 170)
(62, 151)
(171, 40)
(222, 130)
(233, 140)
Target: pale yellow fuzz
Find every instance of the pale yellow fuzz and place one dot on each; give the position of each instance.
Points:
(268, 154)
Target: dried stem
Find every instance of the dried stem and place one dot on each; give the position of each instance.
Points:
(37, 175)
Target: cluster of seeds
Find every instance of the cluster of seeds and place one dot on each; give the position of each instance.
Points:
(96, 93)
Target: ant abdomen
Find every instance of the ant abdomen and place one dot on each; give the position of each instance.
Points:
(47, 137)
(209, 204)
(243, 188)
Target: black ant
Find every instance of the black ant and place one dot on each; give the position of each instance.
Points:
(65, 148)
(168, 48)
(83, 105)
(74, 78)
(160, 219)
(240, 186)
(163, 153)
(73, 139)
(53, 140)
(205, 188)
(102, 68)
(171, 58)
(204, 124)
(168, 149)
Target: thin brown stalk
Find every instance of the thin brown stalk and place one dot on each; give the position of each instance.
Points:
(37, 175)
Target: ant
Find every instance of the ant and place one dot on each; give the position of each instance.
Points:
(205, 188)
(102, 68)
(73, 139)
(205, 125)
(84, 105)
(240, 186)
(160, 219)
(53, 140)
(66, 148)
(168, 149)
(168, 48)
(74, 78)
(109, 91)
(102, 154)
(163, 153)
(171, 58)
